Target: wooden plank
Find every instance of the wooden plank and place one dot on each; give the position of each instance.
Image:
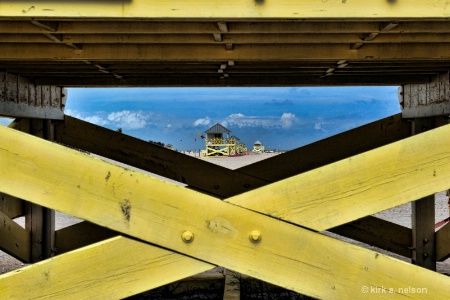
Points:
(360, 185)
(216, 9)
(120, 199)
(379, 233)
(14, 239)
(214, 52)
(111, 269)
(80, 235)
(222, 182)
(11, 206)
(443, 243)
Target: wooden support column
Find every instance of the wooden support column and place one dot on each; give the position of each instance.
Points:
(40, 221)
(423, 212)
(232, 286)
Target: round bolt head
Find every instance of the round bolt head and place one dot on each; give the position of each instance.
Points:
(187, 236)
(255, 236)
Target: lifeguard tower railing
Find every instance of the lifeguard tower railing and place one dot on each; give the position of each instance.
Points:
(220, 146)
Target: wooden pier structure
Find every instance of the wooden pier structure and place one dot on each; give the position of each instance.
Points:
(266, 220)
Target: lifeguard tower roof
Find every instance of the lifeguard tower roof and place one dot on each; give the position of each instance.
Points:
(218, 129)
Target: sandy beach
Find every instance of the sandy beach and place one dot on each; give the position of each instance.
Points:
(400, 215)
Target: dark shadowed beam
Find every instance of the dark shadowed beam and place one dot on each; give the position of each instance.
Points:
(194, 172)
(99, 80)
(332, 149)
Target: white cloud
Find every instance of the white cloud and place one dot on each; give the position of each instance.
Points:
(287, 120)
(95, 119)
(202, 121)
(128, 119)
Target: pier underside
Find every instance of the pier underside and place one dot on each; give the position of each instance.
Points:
(264, 221)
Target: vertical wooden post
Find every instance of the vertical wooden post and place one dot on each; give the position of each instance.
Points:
(424, 245)
(423, 216)
(40, 221)
(232, 287)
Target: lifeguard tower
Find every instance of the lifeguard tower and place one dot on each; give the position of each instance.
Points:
(238, 148)
(218, 142)
(258, 147)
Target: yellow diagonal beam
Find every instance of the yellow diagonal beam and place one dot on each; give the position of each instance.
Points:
(112, 269)
(235, 9)
(159, 212)
(359, 186)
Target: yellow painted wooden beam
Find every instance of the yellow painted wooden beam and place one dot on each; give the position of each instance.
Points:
(14, 239)
(113, 269)
(201, 226)
(358, 186)
(232, 9)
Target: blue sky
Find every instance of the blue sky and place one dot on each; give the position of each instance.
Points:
(281, 118)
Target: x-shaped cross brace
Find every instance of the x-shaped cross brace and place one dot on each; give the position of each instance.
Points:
(252, 233)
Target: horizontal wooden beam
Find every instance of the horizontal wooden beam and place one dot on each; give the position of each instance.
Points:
(266, 52)
(161, 27)
(236, 81)
(14, 239)
(175, 9)
(164, 214)
(205, 38)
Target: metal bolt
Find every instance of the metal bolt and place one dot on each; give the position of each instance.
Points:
(425, 241)
(255, 236)
(425, 254)
(187, 236)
